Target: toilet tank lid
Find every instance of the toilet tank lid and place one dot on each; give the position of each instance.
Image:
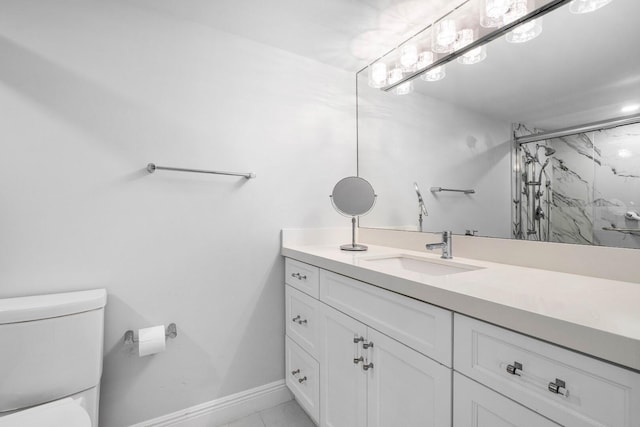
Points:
(37, 307)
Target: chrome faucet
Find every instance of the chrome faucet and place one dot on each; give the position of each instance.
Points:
(446, 245)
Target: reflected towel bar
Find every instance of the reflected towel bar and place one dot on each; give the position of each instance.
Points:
(439, 189)
(151, 168)
(622, 230)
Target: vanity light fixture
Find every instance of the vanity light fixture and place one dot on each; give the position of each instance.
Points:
(462, 34)
(408, 57)
(395, 75)
(465, 38)
(525, 32)
(445, 36)
(378, 75)
(586, 6)
(492, 12)
(424, 60)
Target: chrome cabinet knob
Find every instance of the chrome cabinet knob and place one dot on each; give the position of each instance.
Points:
(299, 276)
(358, 360)
(296, 372)
(357, 339)
(303, 379)
(368, 366)
(367, 345)
(513, 369)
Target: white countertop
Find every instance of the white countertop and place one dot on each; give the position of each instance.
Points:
(595, 316)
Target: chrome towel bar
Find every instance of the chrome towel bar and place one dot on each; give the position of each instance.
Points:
(151, 168)
(439, 189)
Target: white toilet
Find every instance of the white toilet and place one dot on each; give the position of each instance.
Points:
(51, 359)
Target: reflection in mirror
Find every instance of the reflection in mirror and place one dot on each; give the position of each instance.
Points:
(469, 130)
(353, 196)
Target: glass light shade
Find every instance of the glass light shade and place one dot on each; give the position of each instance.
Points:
(424, 60)
(444, 36)
(492, 12)
(405, 88)
(586, 6)
(395, 75)
(378, 75)
(465, 38)
(408, 57)
(435, 74)
(524, 32)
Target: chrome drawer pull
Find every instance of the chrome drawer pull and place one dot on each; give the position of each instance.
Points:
(366, 345)
(299, 320)
(357, 339)
(513, 369)
(303, 379)
(367, 367)
(557, 386)
(296, 372)
(358, 360)
(299, 276)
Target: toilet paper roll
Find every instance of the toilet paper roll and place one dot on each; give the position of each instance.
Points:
(151, 340)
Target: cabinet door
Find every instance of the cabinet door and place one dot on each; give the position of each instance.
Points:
(405, 388)
(474, 405)
(343, 383)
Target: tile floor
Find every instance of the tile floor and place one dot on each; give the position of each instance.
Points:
(288, 414)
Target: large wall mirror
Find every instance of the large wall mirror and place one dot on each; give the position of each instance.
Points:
(540, 139)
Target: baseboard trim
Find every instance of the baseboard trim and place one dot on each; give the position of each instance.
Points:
(226, 409)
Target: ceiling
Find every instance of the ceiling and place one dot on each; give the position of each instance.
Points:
(347, 34)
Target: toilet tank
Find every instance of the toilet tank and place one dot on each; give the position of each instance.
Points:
(50, 346)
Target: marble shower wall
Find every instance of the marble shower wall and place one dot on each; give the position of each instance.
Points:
(594, 190)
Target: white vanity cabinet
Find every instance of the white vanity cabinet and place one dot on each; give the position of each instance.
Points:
(371, 346)
(474, 405)
(369, 379)
(569, 388)
(359, 355)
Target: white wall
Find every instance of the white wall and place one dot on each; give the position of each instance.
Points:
(90, 92)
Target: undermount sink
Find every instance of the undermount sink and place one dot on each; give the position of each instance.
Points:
(421, 265)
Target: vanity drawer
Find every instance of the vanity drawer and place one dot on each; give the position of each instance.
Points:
(302, 319)
(416, 324)
(596, 393)
(303, 378)
(474, 405)
(301, 276)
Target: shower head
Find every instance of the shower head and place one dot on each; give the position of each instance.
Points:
(423, 208)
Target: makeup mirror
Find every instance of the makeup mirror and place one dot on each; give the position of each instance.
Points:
(353, 196)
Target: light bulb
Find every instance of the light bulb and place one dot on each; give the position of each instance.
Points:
(465, 38)
(445, 35)
(395, 75)
(378, 75)
(586, 6)
(434, 75)
(493, 12)
(424, 60)
(405, 88)
(523, 32)
(408, 57)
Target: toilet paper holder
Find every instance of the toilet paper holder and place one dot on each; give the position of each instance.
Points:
(170, 332)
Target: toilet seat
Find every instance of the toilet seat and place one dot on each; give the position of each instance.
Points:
(60, 413)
